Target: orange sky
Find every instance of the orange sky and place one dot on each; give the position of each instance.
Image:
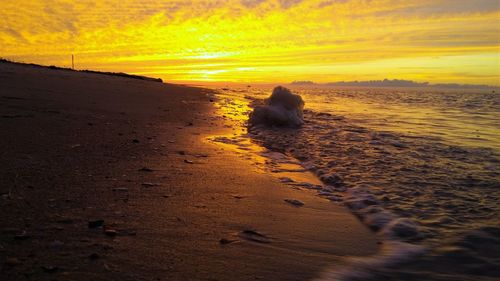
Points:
(261, 40)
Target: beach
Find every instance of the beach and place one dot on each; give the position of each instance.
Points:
(322, 140)
(117, 178)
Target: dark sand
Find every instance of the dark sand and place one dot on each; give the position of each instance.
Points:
(72, 149)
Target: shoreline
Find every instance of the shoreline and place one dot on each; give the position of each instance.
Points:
(411, 244)
(110, 177)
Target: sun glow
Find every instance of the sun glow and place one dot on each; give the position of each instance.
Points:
(261, 40)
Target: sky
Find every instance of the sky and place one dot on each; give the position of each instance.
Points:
(252, 41)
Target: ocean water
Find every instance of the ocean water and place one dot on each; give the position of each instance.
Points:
(419, 167)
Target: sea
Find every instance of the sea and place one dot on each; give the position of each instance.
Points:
(419, 166)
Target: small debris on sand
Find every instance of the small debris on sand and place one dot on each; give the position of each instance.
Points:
(150, 184)
(96, 223)
(254, 236)
(188, 161)
(111, 232)
(22, 236)
(64, 220)
(294, 202)
(225, 241)
(49, 268)
(145, 169)
(94, 256)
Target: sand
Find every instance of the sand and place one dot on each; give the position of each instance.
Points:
(113, 178)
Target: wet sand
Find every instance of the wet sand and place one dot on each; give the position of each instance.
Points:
(112, 178)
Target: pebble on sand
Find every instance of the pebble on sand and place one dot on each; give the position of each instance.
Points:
(111, 232)
(145, 169)
(94, 256)
(65, 220)
(225, 241)
(96, 223)
(49, 268)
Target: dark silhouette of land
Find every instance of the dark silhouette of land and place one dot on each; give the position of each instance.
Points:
(395, 83)
(120, 74)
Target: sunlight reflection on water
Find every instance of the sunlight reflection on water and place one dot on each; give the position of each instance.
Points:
(463, 118)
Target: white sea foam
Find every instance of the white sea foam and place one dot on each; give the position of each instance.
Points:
(392, 253)
(282, 108)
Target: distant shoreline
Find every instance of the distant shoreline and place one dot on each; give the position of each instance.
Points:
(119, 74)
(386, 83)
(396, 83)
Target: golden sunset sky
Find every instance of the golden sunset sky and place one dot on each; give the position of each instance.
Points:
(261, 40)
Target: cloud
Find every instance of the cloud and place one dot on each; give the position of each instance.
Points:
(327, 3)
(287, 36)
(289, 3)
(251, 3)
(16, 35)
(427, 8)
